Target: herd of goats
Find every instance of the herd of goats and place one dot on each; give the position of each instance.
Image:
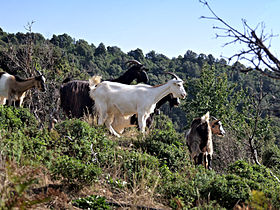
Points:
(120, 105)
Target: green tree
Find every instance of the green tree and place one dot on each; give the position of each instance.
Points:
(212, 92)
(100, 50)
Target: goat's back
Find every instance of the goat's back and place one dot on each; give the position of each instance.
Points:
(126, 98)
(197, 137)
(74, 97)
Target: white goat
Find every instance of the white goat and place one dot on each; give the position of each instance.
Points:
(14, 88)
(113, 99)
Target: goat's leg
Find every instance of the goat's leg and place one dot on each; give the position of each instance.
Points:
(9, 101)
(142, 122)
(109, 122)
(2, 100)
(200, 158)
(209, 158)
(20, 101)
(205, 161)
(102, 114)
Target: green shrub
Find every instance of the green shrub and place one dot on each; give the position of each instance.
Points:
(76, 138)
(271, 158)
(228, 190)
(12, 118)
(135, 166)
(91, 202)
(20, 146)
(175, 185)
(167, 146)
(258, 178)
(74, 171)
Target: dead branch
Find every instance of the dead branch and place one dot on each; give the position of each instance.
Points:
(256, 52)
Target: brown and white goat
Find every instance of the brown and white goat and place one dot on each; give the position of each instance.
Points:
(13, 88)
(199, 139)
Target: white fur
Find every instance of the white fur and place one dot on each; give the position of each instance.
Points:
(113, 99)
(10, 89)
(3, 85)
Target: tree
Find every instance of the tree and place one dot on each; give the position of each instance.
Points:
(212, 92)
(100, 50)
(136, 54)
(63, 41)
(256, 51)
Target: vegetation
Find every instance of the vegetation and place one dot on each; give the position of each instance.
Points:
(76, 163)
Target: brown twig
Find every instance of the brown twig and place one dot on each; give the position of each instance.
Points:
(256, 53)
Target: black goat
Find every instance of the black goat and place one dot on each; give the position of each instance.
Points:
(74, 95)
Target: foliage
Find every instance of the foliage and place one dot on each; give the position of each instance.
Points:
(77, 139)
(258, 178)
(12, 118)
(14, 187)
(214, 93)
(166, 144)
(76, 153)
(271, 158)
(74, 171)
(91, 202)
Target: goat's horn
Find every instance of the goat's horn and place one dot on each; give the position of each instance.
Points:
(214, 118)
(174, 75)
(133, 62)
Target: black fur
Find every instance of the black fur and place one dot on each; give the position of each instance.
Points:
(203, 132)
(1, 73)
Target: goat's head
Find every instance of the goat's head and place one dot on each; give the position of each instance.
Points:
(139, 69)
(217, 127)
(40, 82)
(173, 102)
(177, 86)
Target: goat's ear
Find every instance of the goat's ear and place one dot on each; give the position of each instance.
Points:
(205, 117)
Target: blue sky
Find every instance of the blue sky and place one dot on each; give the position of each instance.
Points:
(170, 27)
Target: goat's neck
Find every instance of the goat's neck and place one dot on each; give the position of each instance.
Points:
(161, 91)
(126, 78)
(23, 86)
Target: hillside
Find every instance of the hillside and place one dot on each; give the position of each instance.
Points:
(52, 168)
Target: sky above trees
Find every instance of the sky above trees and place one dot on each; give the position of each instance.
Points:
(170, 27)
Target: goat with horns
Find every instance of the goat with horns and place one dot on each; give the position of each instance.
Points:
(199, 139)
(113, 98)
(13, 88)
(74, 95)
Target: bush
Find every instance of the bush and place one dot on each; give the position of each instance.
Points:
(76, 139)
(271, 158)
(258, 178)
(12, 118)
(91, 202)
(228, 190)
(176, 185)
(167, 146)
(20, 146)
(74, 171)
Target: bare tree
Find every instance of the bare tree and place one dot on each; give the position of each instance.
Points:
(257, 45)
